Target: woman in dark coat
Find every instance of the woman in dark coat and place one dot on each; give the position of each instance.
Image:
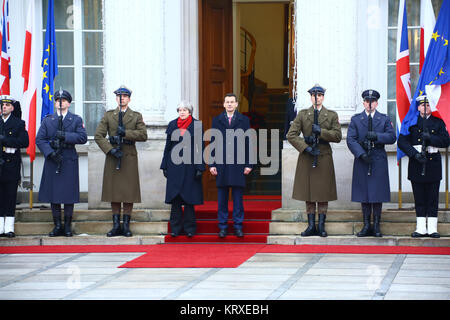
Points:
(59, 146)
(183, 166)
(370, 189)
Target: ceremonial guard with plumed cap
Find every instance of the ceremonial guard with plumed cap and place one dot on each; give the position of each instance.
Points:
(121, 175)
(424, 166)
(13, 136)
(368, 133)
(315, 181)
(60, 184)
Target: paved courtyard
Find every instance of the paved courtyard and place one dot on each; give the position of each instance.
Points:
(265, 276)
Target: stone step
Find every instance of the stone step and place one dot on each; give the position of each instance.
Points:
(352, 228)
(353, 215)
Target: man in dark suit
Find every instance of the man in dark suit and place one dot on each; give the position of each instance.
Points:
(230, 171)
(56, 138)
(13, 136)
(368, 133)
(425, 183)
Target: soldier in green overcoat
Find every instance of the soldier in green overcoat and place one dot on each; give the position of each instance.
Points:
(315, 184)
(121, 174)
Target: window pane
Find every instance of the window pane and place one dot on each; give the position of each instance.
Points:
(64, 48)
(414, 45)
(93, 48)
(392, 113)
(93, 84)
(63, 11)
(92, 15)
(393, 13)
(412, 12)
(392, 45)
(414, 70)
(391, 82)
(65, 80)
(93, 113)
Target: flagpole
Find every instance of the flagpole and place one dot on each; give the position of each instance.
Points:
(446, 178)
(400, 183)
(31, 185)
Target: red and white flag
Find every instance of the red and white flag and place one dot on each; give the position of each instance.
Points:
(5, 68)
(427, 22)
(403, 82)
(30, 61)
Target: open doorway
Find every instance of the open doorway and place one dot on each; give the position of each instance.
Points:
(261, 63)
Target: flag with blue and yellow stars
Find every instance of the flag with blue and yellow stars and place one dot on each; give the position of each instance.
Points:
(49, 63)
(434, 81)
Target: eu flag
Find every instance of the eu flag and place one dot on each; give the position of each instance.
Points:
(49, 63)
(434, 81)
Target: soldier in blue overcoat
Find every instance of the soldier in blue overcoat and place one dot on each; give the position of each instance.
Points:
(425, 184)
(230, 172)
(370, 181)
(60, 176)
(13, 136)
(184, 173)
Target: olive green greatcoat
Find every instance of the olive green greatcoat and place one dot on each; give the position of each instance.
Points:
(315, 184)
(121, 185)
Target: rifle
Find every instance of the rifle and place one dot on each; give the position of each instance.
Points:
(59, 144)
(424, 128)
(2, 132)
(316, 137)
(370, 128)
(120, 138)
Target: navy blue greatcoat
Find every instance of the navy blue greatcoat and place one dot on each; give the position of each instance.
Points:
(439, 139)
(64, 186)
(231, 174)
(15, 137)
(181, 177)
(374, 188)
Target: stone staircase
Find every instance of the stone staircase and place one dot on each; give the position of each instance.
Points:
(150, 227)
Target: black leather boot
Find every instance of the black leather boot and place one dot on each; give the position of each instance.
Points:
(68, 226)
(321, 225)
(311, 229)
(366, 231)
(116, 230)
(126, 225)
(376, 225)
(58, 230)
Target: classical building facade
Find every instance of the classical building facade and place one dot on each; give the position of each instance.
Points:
(172, 50)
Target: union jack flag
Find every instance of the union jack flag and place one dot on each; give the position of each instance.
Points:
(5, 64)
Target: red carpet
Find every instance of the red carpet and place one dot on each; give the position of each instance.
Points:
(258, 214)
(216, 255)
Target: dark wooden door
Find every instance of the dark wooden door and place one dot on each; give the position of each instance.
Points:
(216, 67)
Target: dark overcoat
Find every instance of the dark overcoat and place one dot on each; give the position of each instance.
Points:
(230, 172)
(315, 184)
(121, 185)
(62, 187)
(374, 188)
(15, 137)
(181, 176)
(439, 139)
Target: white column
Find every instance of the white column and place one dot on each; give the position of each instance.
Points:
(327, 51)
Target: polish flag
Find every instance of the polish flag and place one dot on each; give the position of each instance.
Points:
(427, 22)
(29, 75)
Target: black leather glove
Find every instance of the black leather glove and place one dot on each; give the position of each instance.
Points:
(309, 140)
(365, 157)
(420, 157)
(114, 139)
(365, 144)
(313, 152)
(61, 135)
(121, 131)
(198, 174)
(55, 157)
(316, 129)
(371, 136)
(55, 144)
(165, 173)
(116, 153)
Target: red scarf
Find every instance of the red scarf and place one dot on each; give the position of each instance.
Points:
(184, 124)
